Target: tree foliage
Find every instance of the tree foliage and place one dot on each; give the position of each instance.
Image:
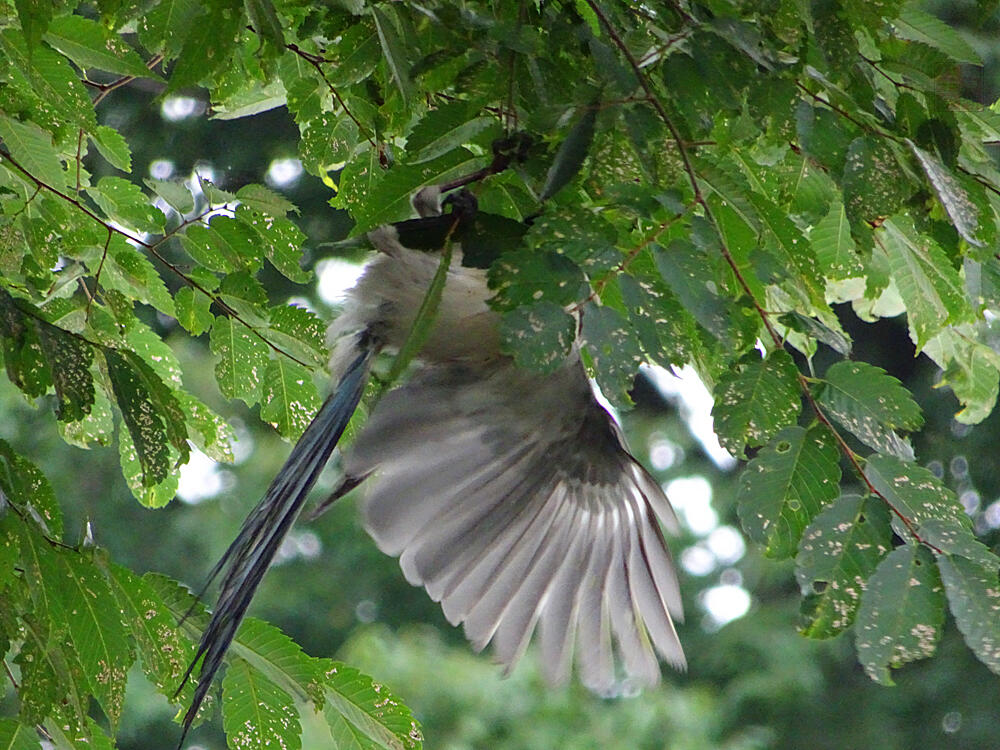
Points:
(705, 180)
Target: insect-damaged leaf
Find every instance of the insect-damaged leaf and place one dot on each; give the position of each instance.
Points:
(902, 612)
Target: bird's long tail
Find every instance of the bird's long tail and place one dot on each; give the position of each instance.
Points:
(250, 554)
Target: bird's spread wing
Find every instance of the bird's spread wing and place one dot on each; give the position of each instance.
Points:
(511, 498)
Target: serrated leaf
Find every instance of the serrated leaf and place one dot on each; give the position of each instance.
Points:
(207, 46)
(150, 496)
(393, 50)
(871, 405)
(373, 713)
(32, 148)
(26, 485)
(142, 419)
(175, 193)
(113, 147)
(388, 199)
(96, 633)
(256, 98)
(755, 400)
(538, 336)
(357, 54)
(164, 652)
(571, 154)
(211, 433)
(839, 551)
(124, 201)
(265, 22)
(280, 659)
(930, 287)
(15, 736)
(970, 369)
(167, 24)
(901, 614)
(263, 200)
(298, 331)
(256, 713)
(51, 78)
(963, 212)
(874, 184)
(93, 45)
(974, 599)
(913, 491)
(34, 18)
(667, 333)
(328, 142)
(919, 26)
(193, 310)
(97, 427)
(242, 360)
(289, 399)
(281, 241)
(835, 250)
(442, 129)
(612, 351)
(69, 360)
(525, 276)
(786, 485)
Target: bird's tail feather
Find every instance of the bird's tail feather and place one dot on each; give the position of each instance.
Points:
(250, 554)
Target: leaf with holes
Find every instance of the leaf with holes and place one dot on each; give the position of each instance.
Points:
(964, 214)
(834, 247)
(32, 148)
(125, 202)
(786, 485)
(242, 360)
(256, 713)
(901, 614)
(144, 422)
(92, 45)
(974, 599)
(930, 286)
(289, 400)
(69, 360)
(871, 405)
(913, 491)
(874, 183)
(538, 336)
(756, 399)
(612, 351)
(838, 553)
(526, 276)
(365, 713)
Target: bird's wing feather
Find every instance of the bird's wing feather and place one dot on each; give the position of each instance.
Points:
(512, 499)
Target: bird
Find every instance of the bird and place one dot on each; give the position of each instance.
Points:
(508, 494)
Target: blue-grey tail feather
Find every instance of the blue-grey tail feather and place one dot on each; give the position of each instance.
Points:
(250, 554)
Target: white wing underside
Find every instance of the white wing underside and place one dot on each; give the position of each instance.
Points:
(511, 498)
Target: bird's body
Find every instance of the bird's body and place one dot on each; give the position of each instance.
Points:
(508, 494)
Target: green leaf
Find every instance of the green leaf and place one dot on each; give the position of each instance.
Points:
(613, 352)
(755, 400)
(164, 652)
(289, 399)
(280, 659)
(913, 491)
(538, 336)
(930, 286)
(963, 212)
(69, 360)
(211, 433)
(207, 46)
(175, 193)
(328, 143)
(35, 18)
(125, 202)
(242, 360)
(874, 183)
(834, 247)
(15, 736)
(154, 496)
(265, 22)
(144, 422)
(367, 712)
(871, 405)
(357, 54)
(167, 24)
(974, 599)
(51, 78)
(393, 51)
(957, 539)
(571, 154)
(525, 276)
(113, 147)
(32, 148)
(256, 713)
(132, 273)
(449, 126)
(93, 45)
(96, 633)
(304, 327)
(970, 369)
(786, 485)
(25, 485)
(901, 614)
(839, 551)
(389, 198)
(281, 241)
(193, 310)
(919, 26)
(97, 427)
(263, 200)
